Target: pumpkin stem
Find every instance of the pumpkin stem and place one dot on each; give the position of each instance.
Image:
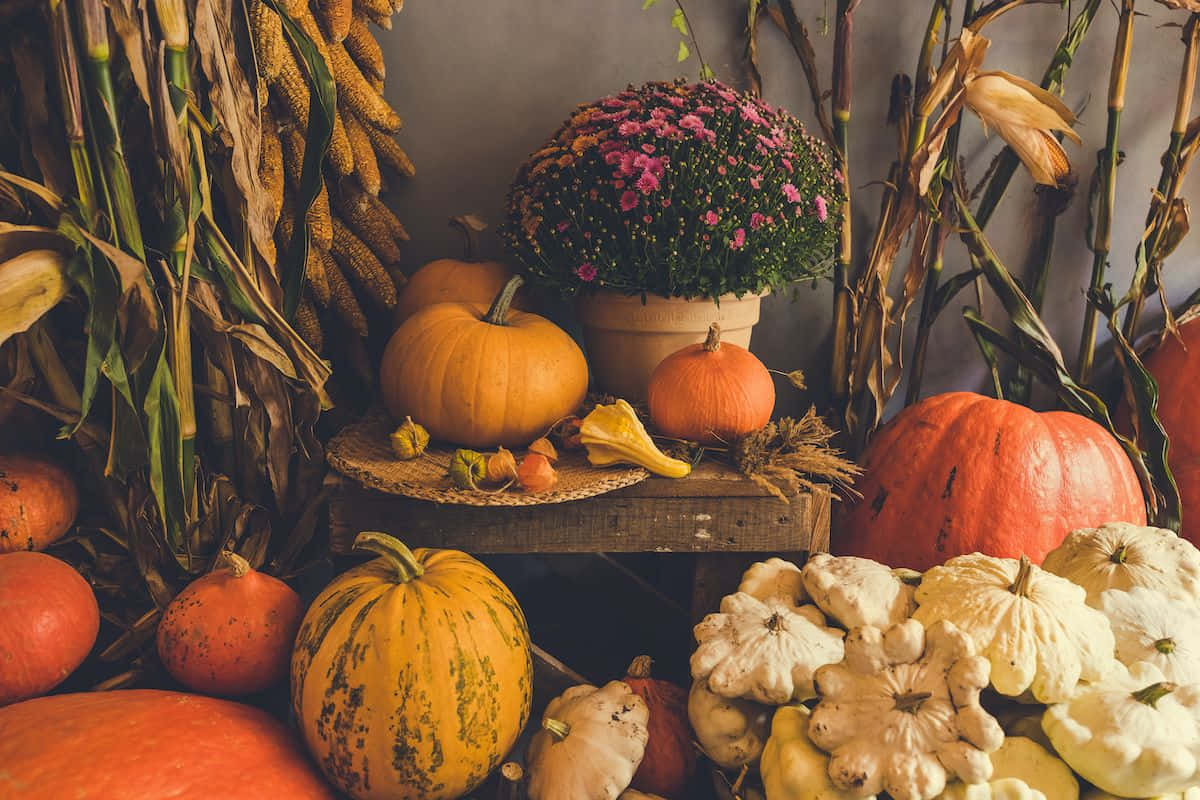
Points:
(498, 313)
(910, 702)
(470, 226)
(1166, 646)
(1120, 554)
(233, 562)
(1154, 692)
(397, 554)
(713, 342)
(1020, 586)
(639, 668)
(557, 729)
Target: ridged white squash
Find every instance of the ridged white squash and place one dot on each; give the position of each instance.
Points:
(774, 578)
(792, 767)
(857, 591)
(1149, 626)
(731, 732)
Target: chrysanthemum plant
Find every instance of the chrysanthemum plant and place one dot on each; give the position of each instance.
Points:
(680, 190)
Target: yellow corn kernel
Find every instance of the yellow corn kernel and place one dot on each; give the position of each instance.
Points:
(308, 325)
(367, 103)
(357, 259)
(267, 32)
(342, 298)
(366, 166)
(335, 17)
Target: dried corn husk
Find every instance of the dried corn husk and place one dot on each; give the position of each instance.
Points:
(361, 264)
(31, 284)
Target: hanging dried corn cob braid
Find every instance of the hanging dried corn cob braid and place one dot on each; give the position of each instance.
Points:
(308, 325)
(291, 87)
(342, 298)
(269, 44)
(374, 231)
(380, 210)
(335, 17)
(361, 264)
(389, 151)
(366, 167)
(341, 155)
(363, 48)
(367, 103)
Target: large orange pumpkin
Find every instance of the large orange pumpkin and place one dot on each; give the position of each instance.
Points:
(412, 677)
(711, 392)
(48, 623)
(138, 744)
(481, 376)
(451, 280)
(959, 473)
(230, 632)
(38, 503)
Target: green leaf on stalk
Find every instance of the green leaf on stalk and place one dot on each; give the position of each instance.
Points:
(683, 53)
(948, 290)
(648, 3)
(988, 339)
(679, 22)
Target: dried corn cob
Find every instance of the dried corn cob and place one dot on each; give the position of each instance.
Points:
(314, 265)
(335, 17)
(367, 103)
(375, 8)
(342, 297)
(390, 152)
(373, 230)
(270, 161)
(363, 48)
(397, 6)
(320, 228)
(379, 209)
(357, 259)
(269, 44)
(291, 87)
(308, 325)
(373, 14)
(366, 167)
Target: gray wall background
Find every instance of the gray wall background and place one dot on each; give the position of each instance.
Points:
(482, 84)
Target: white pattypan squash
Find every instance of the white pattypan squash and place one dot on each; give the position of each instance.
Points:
(901, 714)
(1149, 626)
(1021, 770)
(999, 789)
(1133, 734)
(590, 744)
(765, 651)
(1100, 794)
(774, 578)
(731, 732)
(792, 767)
(1034, 627)
(1121, 555)
(857, 591)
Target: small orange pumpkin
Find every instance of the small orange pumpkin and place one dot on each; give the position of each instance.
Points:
(451, 280)
(711, 393)
(38, 503)
(670, 756)
(482, 377)
(230, 632)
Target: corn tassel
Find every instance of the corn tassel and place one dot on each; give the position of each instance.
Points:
(389, 151)
(366, 166)
(336, 16)
(342, 298)
(355, 257)
(269, 45)
(292, 89)
(373, 230)
(380, 210)
(308, 325)
(363, 48)
(270, 161)
(367, 103)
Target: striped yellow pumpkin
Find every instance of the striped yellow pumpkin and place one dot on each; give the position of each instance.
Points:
(411, 675)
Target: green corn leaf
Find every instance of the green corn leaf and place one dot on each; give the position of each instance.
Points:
(988, 339)
(322, 107)
(948, 290)
(161, 410)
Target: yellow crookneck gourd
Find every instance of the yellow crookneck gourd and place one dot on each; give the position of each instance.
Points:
(613, 434)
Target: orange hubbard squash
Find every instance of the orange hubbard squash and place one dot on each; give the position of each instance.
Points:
(451, 280)
(48, 623)
(710, 393)
(670, 755)
(38, 503)
(1175, 365)
(412, 675)
(482, 377)
(135, 744)
(958, 473)
(230, 632)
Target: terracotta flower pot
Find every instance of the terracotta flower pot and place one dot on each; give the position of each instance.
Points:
(626, 338)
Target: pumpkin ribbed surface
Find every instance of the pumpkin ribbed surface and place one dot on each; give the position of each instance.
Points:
(38, 502)
(450, 281)
(412, 687)
(959, 473)
(139, 744)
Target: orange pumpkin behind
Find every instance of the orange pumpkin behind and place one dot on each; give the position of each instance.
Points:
(38, 503)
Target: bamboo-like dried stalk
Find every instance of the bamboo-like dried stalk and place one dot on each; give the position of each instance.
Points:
(72, 102)
(842, 301)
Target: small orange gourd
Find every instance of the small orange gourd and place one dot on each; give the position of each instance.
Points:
(670, 755)
(38, 503)
(710, 393)
(482, 377)
(230, 632)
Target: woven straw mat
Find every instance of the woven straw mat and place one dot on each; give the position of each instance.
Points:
(362, 451)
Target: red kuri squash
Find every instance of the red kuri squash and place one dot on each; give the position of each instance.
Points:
(230, 632)
(138, 744)
(1175, 364)
(710, 393)
(958, 473)
(48, 623)
(670, 756)
(38, 502)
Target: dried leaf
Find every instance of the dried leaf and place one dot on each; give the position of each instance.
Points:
(125, 19)
(30, 285)
(784, 15)
(47, 144)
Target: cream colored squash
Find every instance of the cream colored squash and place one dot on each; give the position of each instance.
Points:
(1133, 734)
(999, 789)
(1021, 770)
(1121, 555)
(634, 794)
(1149, 626)
(590, 744)
(902, 715)
(857, 591)
(774, 578)
(763, 651)
(792, 767)
(731, 732)
(1034, 627)
(1100, 794)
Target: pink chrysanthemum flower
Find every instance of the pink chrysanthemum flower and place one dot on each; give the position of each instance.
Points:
(629, 200)
(711, 218)
(586, 272)
(738, 240)
(691, 122)
(647, 183)
(822, 208)
(791, 193)
(757, 220)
